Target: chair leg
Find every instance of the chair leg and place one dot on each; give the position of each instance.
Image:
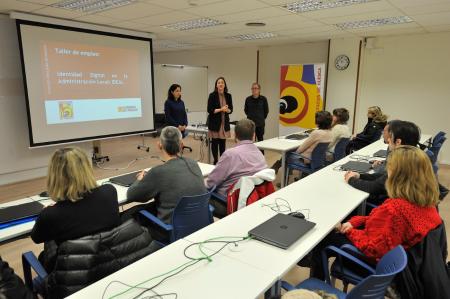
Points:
(345, 287)
(286, 175)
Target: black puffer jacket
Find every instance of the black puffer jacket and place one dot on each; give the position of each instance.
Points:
(83, 261)
(11, 286)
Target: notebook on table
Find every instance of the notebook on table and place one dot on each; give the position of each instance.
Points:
(281, 230)
(11, 214)
(125, 180)
(357, 166)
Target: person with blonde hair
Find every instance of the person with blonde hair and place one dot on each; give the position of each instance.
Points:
(376, 121)
(405, 218)
(81, 207)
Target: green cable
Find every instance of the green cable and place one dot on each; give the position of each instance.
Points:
(195, 260)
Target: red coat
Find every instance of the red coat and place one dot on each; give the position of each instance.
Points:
(258, 192)
(395, 222)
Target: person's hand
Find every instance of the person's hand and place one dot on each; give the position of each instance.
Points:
(141, 175)
(345, 227)
(350, 174)
(225, 108)
(181, 128)
(377, 163)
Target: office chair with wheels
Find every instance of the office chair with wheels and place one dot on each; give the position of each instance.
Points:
(373, 286)
(191, 214)
(317, 161)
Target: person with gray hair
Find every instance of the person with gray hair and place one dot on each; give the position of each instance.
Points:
(166, 183)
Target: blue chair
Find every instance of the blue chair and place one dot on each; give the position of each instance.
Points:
(437, 138)
(37, 284)
(191, 214)
(436, 147)
(317, 161)
(339, 149)
(373, 286)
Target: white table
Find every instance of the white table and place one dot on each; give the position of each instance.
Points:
(25, 228)
(222, 278)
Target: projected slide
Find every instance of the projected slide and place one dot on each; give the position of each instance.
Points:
(81, 84)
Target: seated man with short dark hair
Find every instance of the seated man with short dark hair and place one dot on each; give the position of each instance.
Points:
(398, 133)
(245, 159)
(169, 182)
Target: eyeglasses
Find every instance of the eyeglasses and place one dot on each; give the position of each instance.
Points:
(255, 87)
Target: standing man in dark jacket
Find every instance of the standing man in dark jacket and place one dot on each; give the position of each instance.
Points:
(256, 109)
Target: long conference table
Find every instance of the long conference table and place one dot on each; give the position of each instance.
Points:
(246, 269)
(24, 229)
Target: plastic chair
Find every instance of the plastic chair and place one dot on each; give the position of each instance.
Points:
(317, 161)
(436, 147)
(339, 149)
(373, 286)
(437, 138)
(37, 284)
(191, 214)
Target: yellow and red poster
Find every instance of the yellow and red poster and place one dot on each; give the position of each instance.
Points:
(301, 96)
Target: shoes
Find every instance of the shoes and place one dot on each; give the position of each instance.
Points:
(276, 166)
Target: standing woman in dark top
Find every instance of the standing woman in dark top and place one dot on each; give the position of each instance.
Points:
(81, 207)
(376, 121)
(175, 110)
(220, 105)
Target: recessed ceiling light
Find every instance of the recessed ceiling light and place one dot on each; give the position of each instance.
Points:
(374, 22)
(311, 5)
(172, 44)
(193, 24)
(91, 5)
(253, 36)
(255, 24)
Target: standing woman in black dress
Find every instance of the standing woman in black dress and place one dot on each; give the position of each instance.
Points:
(220, 105)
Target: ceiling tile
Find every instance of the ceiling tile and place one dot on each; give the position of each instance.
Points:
(361, 17)
(407, 3)
(308, 30)
(226, 7)
(7, 6)
(427, 9)
(43, 2)
(96, 19)
(129, 25)
(438, 28)
(134, 11)
(180, 4)
(257, 14)
(58, 12)
(349, 10)
(442, 18)
(167, 18)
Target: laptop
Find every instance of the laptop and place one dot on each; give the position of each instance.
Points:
(281, 230)
(357, 166)
(296, 136)
(22, 211)
(380, 154)
(125, 180)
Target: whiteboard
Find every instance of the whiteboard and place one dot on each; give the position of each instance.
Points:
(193, 81)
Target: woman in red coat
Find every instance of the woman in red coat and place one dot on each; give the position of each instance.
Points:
(403, 219)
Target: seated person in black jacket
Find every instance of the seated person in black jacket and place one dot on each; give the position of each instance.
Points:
(11, 286)
(371, 132)
(81, 207)
(399, 133)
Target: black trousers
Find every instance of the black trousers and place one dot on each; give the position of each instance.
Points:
(259, 132)
(217, 145)
(334, 238)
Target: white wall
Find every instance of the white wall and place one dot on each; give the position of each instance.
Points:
(341, 89)
(17, 162)
(409, 78)
(237, 65)
(271, 58)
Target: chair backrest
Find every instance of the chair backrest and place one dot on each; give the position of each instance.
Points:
(436, 147)
(191, 214)
(437, 138)
(339, 149)
(374, 286)
(318, 155)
